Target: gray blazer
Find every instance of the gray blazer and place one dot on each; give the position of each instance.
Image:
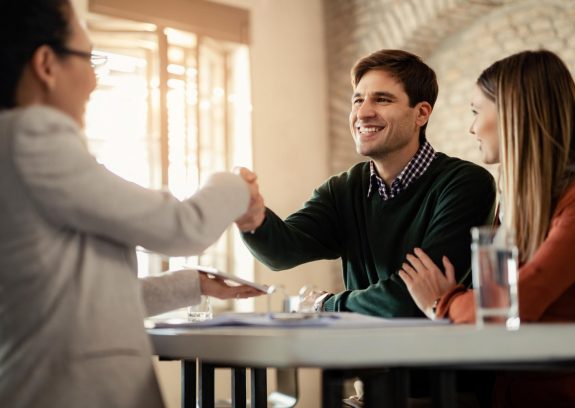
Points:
(71, 309)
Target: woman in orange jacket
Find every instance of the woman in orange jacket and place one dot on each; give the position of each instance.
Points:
(524, 108)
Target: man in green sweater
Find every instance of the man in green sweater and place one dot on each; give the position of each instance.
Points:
(377, 212)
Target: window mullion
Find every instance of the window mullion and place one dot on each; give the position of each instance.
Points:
(163, 106)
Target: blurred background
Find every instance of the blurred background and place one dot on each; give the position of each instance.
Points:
(196, 86)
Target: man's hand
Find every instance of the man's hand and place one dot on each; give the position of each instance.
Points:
(216, 287)
(256, 212)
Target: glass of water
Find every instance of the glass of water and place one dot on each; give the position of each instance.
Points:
(494, 270)
(200, 311)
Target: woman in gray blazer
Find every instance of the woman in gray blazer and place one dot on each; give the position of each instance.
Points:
(71, 306)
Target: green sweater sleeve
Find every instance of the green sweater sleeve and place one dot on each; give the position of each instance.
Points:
(308, 235)
(386, 298)
(464, 199)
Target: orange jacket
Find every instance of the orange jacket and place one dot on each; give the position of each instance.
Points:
(546, 289)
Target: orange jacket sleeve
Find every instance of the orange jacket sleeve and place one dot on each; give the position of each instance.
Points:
(546, 283)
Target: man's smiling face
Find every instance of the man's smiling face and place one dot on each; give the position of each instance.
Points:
(381, 120)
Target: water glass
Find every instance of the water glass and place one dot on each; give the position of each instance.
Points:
(306, 299)
(494, 271)
(201, 311)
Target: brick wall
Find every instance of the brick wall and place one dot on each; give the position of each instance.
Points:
(458, 38)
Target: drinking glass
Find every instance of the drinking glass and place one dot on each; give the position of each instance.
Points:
(201, 311)
(494, 272)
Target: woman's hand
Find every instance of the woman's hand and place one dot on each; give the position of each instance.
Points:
(425, 281)
(216, 287)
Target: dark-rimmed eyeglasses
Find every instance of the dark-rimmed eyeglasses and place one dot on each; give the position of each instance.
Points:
(96, 59)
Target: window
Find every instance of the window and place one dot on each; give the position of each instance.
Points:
(171, 107)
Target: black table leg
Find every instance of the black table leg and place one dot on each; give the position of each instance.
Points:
(331, 388)
(389, 388)
(259, 388)
(188, 368)
(444, 389)
(206, 385)
(238, 388)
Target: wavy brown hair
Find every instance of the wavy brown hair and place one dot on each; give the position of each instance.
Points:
(535, 97)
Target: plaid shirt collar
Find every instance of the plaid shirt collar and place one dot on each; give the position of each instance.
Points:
(414, 169)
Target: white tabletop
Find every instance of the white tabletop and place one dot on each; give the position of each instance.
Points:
(369, 347)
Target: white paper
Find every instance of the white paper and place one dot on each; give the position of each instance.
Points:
(325, 319)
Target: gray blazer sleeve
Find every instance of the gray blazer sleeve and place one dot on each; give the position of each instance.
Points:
(170, 290)
(71, 189)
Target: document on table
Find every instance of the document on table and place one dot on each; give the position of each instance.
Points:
(325, 319)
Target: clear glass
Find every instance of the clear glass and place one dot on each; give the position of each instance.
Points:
(306, 299)
(201, 311)
(494, 269)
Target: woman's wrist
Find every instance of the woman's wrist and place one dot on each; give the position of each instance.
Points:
(431, 311)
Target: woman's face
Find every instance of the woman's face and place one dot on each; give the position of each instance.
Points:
(74, 76)
(484, 125)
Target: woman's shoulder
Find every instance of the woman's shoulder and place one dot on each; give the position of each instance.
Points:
(39, 129)
(40, 118)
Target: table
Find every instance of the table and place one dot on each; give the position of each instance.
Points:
(445, 348)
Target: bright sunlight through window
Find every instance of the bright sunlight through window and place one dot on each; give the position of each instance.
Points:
(170, 108)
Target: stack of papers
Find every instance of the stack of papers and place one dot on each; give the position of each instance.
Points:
(327, 319)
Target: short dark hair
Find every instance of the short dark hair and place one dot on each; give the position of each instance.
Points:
(26, 25)
(418, 79)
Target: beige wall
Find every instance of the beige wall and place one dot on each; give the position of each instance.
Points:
(81, 7)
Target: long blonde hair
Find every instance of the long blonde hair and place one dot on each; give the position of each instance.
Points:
(535, 98)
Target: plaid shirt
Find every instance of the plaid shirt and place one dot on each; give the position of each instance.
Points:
(414, 169)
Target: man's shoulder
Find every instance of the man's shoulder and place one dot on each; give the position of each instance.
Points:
(454, 167)
(39, 119)
(354, 174)
(348, 183)
(453, 177)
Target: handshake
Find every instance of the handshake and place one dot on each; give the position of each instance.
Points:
(256, 212)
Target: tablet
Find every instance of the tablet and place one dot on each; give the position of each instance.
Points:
(232, 278)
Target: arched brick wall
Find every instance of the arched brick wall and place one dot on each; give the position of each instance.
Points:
(460, 59)
(458, 38)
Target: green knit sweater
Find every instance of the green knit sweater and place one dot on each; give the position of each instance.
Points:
(372, 236)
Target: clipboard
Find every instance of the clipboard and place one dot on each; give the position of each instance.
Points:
(232, 278)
